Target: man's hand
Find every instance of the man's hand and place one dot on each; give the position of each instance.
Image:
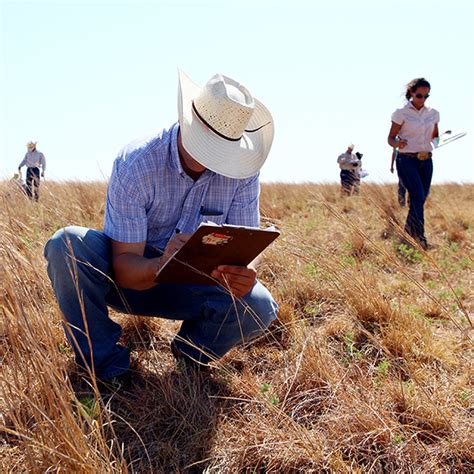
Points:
(238, 280)
(42, 174)
(391, 169)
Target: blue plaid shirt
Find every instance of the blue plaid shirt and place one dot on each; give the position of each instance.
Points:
(150, 197)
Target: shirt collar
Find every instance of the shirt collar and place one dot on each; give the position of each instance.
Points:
(411, 106)
(175, 161)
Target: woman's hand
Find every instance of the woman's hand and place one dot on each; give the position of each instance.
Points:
(238, 280)
(401, 144)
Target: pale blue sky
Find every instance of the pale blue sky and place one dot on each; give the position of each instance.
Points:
(84, 78)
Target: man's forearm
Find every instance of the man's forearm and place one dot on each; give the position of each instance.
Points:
(134, 272)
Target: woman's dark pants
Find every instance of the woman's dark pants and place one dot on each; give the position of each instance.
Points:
(416, 176)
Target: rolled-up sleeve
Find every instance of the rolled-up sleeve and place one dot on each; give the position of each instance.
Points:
(244, 209)
(125, 213)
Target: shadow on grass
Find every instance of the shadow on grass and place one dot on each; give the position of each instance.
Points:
(163, 422)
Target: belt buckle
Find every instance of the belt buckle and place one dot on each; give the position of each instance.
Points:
(423, 155)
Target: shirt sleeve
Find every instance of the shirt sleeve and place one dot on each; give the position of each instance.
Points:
(23, 162)
(397, 117)
(43, 162)
(125, 213)
(244, 209)
(346, 159)
(343, 159)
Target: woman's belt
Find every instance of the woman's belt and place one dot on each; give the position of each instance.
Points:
(421, 155)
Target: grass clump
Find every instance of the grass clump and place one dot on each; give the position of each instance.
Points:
(367, 368)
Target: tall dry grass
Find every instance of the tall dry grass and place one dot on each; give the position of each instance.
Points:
(368, 368)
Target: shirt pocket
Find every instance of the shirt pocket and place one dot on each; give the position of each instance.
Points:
(212, 215)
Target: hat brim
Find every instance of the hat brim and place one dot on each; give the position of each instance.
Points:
(234, 159)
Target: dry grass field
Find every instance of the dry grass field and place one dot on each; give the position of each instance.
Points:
(368, 368)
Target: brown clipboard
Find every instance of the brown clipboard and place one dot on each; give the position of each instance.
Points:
(210, 246)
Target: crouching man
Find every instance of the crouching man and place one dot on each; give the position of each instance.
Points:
(204, 168)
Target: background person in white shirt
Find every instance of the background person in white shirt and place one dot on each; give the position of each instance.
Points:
(350, 166)
(416, 126)
(35, 163)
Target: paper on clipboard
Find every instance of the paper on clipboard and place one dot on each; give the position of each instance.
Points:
(448, 137)
(212, 245)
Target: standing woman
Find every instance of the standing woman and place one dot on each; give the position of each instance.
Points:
(416, 126)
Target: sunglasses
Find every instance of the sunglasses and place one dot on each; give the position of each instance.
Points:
(421, 96)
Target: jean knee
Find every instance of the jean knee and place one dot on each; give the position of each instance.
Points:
(59, 246)
(263, 307)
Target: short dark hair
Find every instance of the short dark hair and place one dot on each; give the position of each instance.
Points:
(413, 85)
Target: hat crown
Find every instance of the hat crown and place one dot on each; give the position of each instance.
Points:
(225, 106)
(223, 127)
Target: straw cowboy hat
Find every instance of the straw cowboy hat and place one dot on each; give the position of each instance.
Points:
(223, 127)
(31, 144)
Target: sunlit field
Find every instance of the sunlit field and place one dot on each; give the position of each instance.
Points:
(367, 369)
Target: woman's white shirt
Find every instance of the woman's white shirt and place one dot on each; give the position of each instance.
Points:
(416, 127)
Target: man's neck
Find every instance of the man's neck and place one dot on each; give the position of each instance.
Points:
(194, 175)
(190, 166)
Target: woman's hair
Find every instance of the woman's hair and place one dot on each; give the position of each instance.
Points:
(413, 85)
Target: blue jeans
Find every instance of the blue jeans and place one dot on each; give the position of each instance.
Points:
(80, 269)
(402, 191)
(416, 176)
(32, 181)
